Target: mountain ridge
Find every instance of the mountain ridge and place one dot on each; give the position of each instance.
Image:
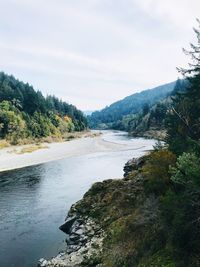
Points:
(129, 105)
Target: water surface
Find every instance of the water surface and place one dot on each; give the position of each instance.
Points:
(34, 200)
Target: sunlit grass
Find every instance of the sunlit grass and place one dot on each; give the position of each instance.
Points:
(31, 149)
(4, 144)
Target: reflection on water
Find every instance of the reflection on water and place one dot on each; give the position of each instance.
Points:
(34, 201)
(9, 177)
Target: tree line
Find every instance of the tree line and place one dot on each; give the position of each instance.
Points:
(173, 170)
(26, 113)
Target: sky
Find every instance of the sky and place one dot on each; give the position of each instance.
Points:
(93, 52)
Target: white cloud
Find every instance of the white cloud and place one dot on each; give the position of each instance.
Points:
(98, 48)
(179, 13)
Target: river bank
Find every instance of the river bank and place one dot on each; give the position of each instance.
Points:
(151, 133)
(16, 157)
(111, 224)
(34, 200)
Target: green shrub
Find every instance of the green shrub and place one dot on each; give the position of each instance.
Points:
(156, 171)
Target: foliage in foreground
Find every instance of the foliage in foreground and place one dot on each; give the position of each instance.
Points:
(152, 216)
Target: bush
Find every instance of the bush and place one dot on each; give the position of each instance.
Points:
(156, 171)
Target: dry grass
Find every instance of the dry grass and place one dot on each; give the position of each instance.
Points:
(50, 139)
(36, 142)
(30, 149)
(93, 134)
(3, 144)
(75, 135)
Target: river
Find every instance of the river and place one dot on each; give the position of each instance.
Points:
(34, 200)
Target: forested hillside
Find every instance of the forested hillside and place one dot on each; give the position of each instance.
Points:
(26, 113)
(111, 116)
(151, 121)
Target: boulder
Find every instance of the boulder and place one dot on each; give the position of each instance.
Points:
(133, 164)
(74, 238)
(66, 227)
(79, 232)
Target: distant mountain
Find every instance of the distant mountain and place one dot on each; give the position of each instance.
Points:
(150, 121)
(109, 116)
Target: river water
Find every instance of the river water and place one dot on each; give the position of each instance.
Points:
(34, 200)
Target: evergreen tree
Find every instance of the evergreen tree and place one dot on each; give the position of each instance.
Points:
(183, 121)
(25, 112)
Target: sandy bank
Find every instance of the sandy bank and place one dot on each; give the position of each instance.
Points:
(10, 158)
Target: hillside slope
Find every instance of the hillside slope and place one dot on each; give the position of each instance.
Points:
(151, 121)
(26, 113)
(129, 105)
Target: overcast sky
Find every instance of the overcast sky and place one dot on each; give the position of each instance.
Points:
(94, 52)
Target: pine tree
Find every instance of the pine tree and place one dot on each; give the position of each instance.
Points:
(183, 120)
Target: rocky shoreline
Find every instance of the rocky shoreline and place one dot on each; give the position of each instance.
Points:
(84, 241)
(152, 133)
(112, 224)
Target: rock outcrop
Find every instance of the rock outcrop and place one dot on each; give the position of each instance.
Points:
(84, 242)
(133, 165)
(113, 224)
